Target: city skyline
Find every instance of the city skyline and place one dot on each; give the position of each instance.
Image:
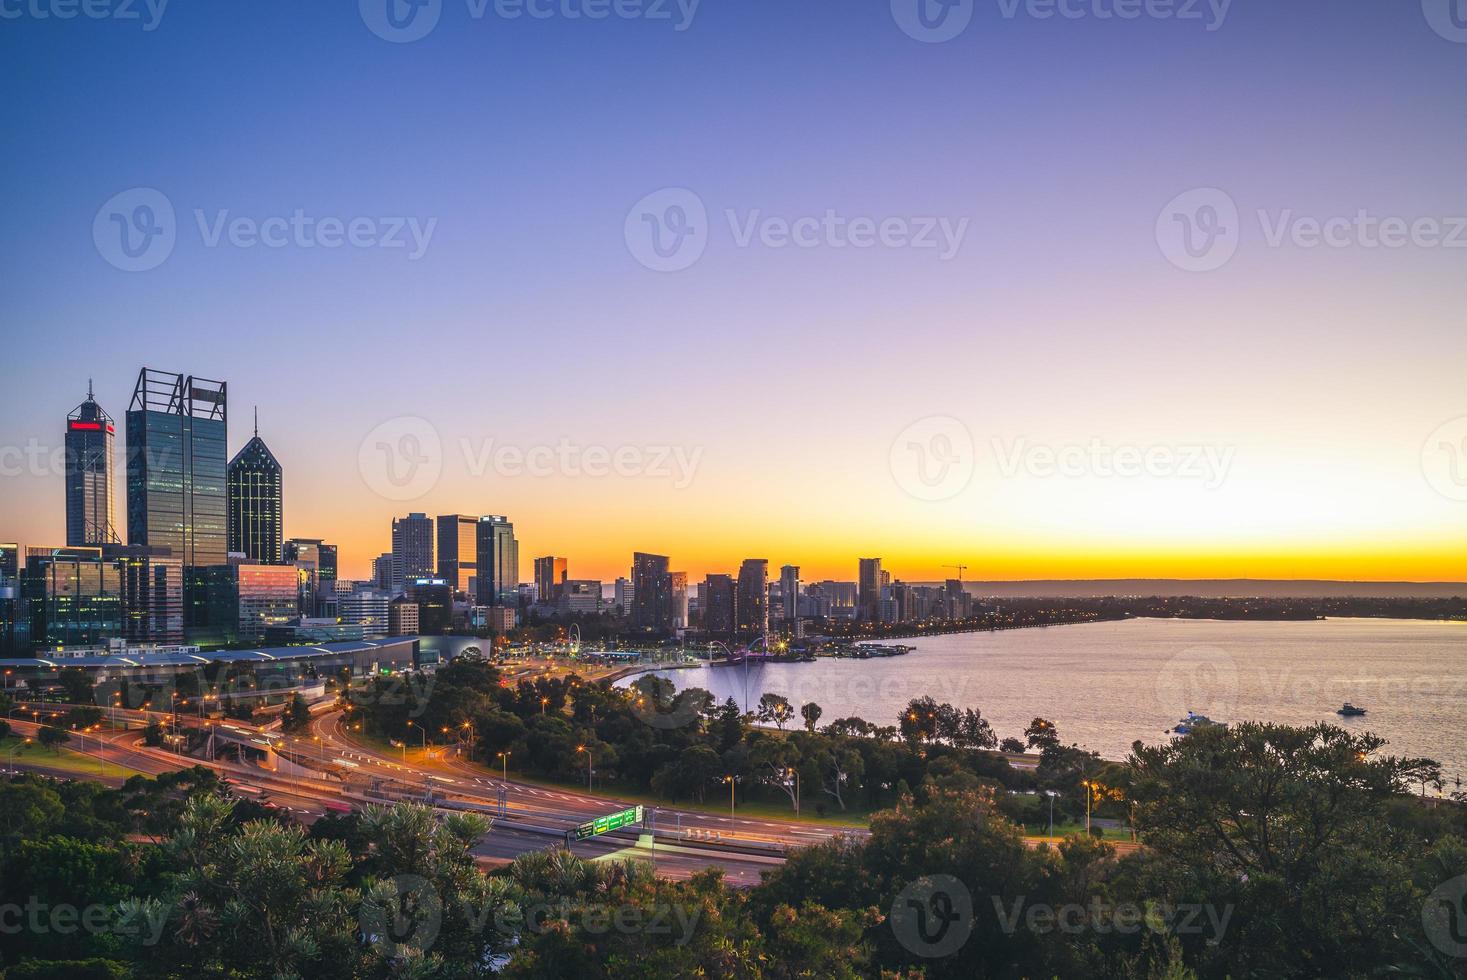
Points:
(1313, 386)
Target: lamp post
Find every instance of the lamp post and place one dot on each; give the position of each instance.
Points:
(796, 774)
(582, 748)
(17, 745)
(424, 732)
(730, 781)
(504, 763)
(1051, 794)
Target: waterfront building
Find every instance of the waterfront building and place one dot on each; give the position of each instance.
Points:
(717, 600)
(752, 603)
(497, 574)
(651, 593)
(90, 456)
(789, 591)
(869, 583)
(679, 584)
(458, 550)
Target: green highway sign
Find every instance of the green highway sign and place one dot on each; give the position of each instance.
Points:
(612, 821)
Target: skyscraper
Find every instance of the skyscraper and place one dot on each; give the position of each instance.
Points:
(752, 605)
(412, 549)
(176, 438)
(868, 583)
(789, 591)
(550, 576)
(718, 605)
(498, 568)
(9, 561)
(458, 558)
(651, 593)
(256, 502)
(90, 519)
(679, 584)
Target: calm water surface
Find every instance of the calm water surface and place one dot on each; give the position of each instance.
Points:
(1106, 685)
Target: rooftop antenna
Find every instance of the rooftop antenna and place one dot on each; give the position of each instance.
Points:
(257, 421)
(89, 389)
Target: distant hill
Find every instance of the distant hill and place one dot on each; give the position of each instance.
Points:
(1216, 588)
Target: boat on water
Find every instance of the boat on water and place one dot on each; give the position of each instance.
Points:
(1193, 722)
(1350, 711)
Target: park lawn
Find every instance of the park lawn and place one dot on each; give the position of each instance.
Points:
(1062, 830)
(64, 760)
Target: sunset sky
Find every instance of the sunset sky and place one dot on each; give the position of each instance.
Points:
(1318, 383)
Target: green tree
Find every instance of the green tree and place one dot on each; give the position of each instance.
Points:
(53, 737)
(810, 712)
(297, 715)
(775, 708)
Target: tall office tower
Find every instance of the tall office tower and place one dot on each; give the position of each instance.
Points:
(315, 563)
(651, 593)
(958, 602)
(385, 571)
(789, 591)
(752, 604)
(434, 599)
(868, 596)
(497, 572)
(550, 576)
(718, 600)
(679, 584)
(9, 562)
(177, 496)
(256, 502)
(90, 519)
(624, 595)
(328, 566)
(458, 554)
(412, 547)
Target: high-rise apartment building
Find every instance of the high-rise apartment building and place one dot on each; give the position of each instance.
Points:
(256, 502)
(651, 593)
(869, 582)
(717, 598)
(752, 605)
(789, 592)
(458, 550)
(412, 549)
(90, 434)
(624, 595)
(679, 584)
(497, 571)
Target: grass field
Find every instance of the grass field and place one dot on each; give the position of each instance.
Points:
(64, 760)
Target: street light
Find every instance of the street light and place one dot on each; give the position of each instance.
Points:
(730, 781)
(796, 773)
(504, 761)
(582, 748)
(1051, 794)
(424, 732)
(17, 745)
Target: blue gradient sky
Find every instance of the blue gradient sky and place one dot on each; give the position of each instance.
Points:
(792, 371)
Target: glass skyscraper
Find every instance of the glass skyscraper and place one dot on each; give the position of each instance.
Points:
(176, 451)
(177, 441)
(412, 549)
(458, 559)
(498, 563)
(90, 434)
(256, 502)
